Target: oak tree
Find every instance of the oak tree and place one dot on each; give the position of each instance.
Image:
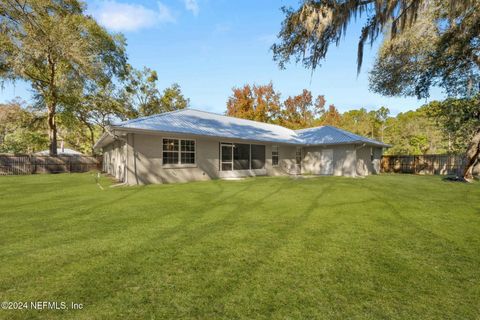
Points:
(54, 46)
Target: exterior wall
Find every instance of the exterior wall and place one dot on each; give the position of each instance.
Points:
(344, 159)
(348, 160)
(286, 160)
(138, 160)
(145, 165)
(364, 160)
(115, 159)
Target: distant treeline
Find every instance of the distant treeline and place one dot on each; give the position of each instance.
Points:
(23, 128)
(410, 133)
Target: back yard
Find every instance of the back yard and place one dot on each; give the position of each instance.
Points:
(397, 247)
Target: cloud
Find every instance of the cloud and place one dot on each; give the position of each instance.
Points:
(164, 13)
(192, 5)
(120, 16)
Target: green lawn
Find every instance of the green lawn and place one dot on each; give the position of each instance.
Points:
(384, 247)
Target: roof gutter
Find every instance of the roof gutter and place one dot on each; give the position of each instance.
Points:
(109, 132)
(98, 144)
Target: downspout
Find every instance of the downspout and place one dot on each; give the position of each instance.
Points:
(126, 161)
(134, 158)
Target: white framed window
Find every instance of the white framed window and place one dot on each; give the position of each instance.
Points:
(275, 155)
(187, 151)
(178, 151)
(226, 156)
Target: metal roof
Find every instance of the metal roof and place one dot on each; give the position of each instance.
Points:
(332, 135)
(204, 123)
(197, 122)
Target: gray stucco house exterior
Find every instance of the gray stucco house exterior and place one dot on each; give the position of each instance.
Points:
(191, 145)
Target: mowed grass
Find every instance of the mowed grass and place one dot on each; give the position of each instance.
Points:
(383, 247)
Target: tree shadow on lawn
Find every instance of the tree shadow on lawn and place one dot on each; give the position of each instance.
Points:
(183, 238)
(63, 220)
(80, 219)
(417, 227)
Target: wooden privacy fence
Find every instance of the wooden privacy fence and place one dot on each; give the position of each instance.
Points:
(29, 164)
(441, 164)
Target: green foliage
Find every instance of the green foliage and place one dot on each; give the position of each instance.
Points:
(308, 32)
(140, 95)
(428, 43)
(172, 99)
(24, 140)
(21, 129)
(459, 118)
(77, 132)
(415, 132)
(87, 114)
(431, 54)
(58, 49)
(363, 122)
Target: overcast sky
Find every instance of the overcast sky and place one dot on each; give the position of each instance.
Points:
(210, 46)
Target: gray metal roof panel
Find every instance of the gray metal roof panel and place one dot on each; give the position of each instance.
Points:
(332, 135)
(191, 121)
(211, 124)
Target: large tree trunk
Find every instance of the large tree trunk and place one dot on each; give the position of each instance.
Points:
(473, 153)
(52, 130)
(52, 108)
(92, 139)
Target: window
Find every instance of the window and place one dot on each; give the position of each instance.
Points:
(187, 152)
(258, 156)
(170, 151)
(226, 157)
(298, 156)
(274, 156)
(178, 151)
(241, 156)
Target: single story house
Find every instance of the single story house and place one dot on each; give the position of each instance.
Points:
(189, 145)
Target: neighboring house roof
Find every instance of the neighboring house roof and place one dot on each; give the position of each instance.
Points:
(65, 151)
(196, 122)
